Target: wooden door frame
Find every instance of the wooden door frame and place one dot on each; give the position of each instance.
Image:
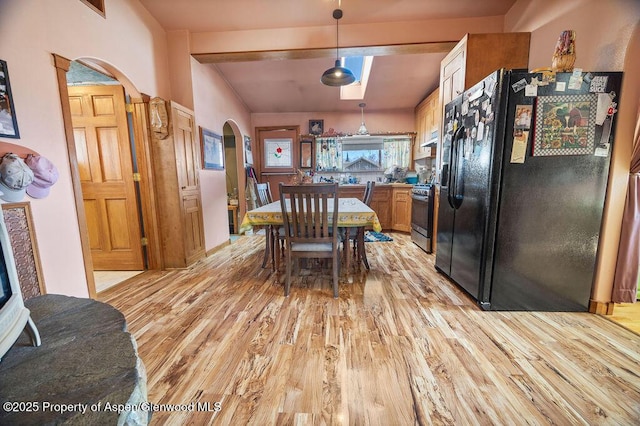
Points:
(260, 151)
(143, 155)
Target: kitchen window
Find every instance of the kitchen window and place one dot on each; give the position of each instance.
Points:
(362, 153)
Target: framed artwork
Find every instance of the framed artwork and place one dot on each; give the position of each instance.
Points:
(212, 150)
(248, 155)
(278, 153)
(8, 122)
(316, 127)
(17, 217)
(306, 153)
(565, 125)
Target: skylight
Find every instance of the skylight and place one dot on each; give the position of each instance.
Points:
(354, 63)
(360, 66)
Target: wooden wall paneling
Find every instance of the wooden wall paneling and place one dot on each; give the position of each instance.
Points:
(148, 197)
(19, 222)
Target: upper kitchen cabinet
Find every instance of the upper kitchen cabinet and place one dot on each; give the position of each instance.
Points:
(427, 126)
(476, 56)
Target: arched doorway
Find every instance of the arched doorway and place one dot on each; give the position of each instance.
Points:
(235, 169)
(100, 217)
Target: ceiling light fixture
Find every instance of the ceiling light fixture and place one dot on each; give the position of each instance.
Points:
(338, 75)
(362, 130)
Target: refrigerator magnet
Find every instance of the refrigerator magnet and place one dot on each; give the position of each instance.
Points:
(598, 84)
(531, 90)
(519, 85)
(520, 138)
(575, 81)
(480, 132)
(561, 86)
(523, 117)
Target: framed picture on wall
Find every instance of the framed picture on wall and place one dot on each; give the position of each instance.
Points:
(278, 153)
(212, 150)
(306, 153)
(8, 122)
(316, 127)
(248, 155)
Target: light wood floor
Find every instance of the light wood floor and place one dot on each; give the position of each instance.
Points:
(627, 315)
(401, 346)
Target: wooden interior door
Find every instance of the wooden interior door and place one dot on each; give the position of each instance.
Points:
(276, 175)
(187, 148)
(106, 175)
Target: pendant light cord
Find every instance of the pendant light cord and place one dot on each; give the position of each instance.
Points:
(337, 41)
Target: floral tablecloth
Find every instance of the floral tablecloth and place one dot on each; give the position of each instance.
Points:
(352, 213)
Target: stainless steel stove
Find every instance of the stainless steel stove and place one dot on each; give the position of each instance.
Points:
(422, 215)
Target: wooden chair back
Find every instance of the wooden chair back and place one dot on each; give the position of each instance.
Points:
(368, 193)
(263, 194)
(308, 220)
(308, 231)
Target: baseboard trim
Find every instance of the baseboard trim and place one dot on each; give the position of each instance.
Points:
(217, 248)
(601, 308)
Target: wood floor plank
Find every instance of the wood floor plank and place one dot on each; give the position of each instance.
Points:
(401, 345)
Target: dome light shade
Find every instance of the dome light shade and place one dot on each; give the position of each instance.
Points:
(337, 76)
(363, 129)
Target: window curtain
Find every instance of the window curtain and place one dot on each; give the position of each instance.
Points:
(328, 154)
(625, 282)
(397, 152)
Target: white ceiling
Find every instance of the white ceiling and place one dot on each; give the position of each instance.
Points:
(396, 82)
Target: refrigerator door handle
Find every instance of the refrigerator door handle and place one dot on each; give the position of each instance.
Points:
(452, 194)
(452, 170)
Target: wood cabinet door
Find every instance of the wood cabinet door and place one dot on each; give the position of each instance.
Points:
(187, 152)
(187, 147)
(193, 226)
(381, 204)
(402, 209)
(103, 152)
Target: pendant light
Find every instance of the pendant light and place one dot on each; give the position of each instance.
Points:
(362, 130)
(338, 75)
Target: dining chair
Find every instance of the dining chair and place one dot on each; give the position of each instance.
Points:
(308, 232)
(264, 197)
(359, 251)
(263, 194)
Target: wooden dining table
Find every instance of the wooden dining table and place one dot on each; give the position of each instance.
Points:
(352, 213)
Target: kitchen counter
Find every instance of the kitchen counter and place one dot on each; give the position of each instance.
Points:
(389, 185)
(391, 202)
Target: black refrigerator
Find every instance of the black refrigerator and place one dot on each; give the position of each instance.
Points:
(522, 187)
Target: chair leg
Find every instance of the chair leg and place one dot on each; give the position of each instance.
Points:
(267, 247)
(336, 265)
(275, 250)
(362, 250)
(287, 283)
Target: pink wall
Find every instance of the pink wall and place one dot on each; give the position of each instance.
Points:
(214, 104)
(30, 31)
(607, 39)
(376, 121)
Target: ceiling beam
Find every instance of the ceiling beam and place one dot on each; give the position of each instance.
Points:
(266, 55)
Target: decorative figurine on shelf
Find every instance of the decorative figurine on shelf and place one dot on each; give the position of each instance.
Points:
(300, 178)
(564, 55)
